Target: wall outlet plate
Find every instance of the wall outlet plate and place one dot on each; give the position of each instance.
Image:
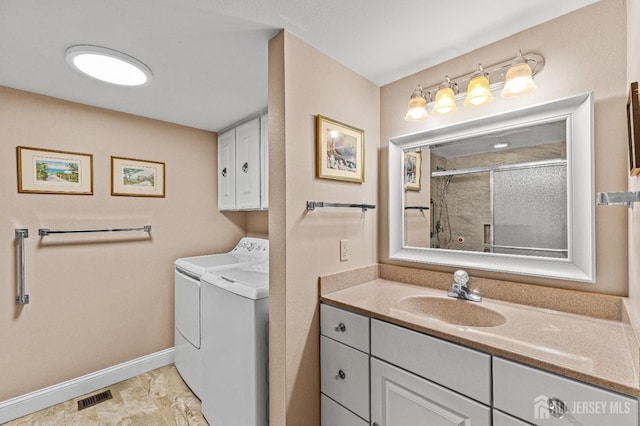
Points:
(344, 250)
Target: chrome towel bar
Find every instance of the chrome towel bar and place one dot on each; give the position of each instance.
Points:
(43, 232)
(311, 205)
(22, 298)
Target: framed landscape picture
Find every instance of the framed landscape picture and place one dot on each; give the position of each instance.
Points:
(137, 178)
(48, 171)
(340, 151)
(412, 170)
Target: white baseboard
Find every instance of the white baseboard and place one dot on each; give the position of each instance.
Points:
(34, 401)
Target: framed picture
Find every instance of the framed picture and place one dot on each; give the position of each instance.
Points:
(633, 122)
(137, 178)
(48, 171)
(340, 151)
(412, 170)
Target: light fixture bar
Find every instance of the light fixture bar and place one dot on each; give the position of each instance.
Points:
(496, 74)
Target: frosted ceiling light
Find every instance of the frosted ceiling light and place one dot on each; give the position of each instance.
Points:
(108, 65)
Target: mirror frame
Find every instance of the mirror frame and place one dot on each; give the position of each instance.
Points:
(580, 264)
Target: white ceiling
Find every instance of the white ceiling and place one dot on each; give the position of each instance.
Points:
(209, 57)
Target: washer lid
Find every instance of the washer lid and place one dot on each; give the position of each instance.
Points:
(250, 281)
(198, 265)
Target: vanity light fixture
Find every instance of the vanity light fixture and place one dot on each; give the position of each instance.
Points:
(475, 87)
(518, 80)
(417, 110)
(478, 91)
(108, 65)
(446, 99)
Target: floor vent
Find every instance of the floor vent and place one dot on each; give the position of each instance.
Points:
(94, 399)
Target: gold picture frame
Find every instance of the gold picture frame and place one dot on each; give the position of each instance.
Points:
(50, 171)
(339, 151)
(633, 123)
(132, 177)
(412, 171)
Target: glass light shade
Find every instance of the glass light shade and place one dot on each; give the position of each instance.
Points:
(518, 80)
(108, 65)
(417, 110)
(445, 101)
(478, 92)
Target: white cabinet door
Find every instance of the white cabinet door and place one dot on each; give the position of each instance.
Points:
(226, 170)
(248, 165)
(264, 162)
(399, 398)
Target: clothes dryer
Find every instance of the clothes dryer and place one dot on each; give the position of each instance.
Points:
(235, 317)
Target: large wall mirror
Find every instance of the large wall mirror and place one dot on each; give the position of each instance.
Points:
(512, 193)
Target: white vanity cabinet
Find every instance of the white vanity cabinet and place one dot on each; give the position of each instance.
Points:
(381, 374)
(242, 177)
(344, 367)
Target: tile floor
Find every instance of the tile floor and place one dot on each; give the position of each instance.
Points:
(156, 398)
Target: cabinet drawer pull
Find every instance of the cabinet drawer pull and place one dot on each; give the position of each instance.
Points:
(245, 167)
(341, 328)
(557, 408)
(340, 375)
(224, 172)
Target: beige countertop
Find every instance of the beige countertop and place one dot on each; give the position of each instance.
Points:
(593, 349)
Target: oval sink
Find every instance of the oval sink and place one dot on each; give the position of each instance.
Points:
(452, 311)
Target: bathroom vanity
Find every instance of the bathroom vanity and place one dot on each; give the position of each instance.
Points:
(399, 354)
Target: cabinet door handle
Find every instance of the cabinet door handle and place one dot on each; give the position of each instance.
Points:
(341, 328)
(245, 167)
(224, 172)
(340, 375)
(557, 407)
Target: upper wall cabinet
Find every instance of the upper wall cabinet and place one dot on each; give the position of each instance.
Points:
(242, 166)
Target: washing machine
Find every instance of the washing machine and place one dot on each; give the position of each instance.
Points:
(188, 272)
(235, 345)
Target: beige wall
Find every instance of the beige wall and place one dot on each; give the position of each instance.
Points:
(633, 74)
(584, 51)
(102, 299)
(304, 245)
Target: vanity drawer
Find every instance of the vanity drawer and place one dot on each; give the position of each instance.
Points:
(458, 368)
(344, 326)
(334, 414)
(344, 376)
(524, 391)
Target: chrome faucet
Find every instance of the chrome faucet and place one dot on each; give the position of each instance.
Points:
(460, 290)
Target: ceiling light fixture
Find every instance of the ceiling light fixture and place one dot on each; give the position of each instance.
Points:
(500, 145)
(476, 87)
(108, 65)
